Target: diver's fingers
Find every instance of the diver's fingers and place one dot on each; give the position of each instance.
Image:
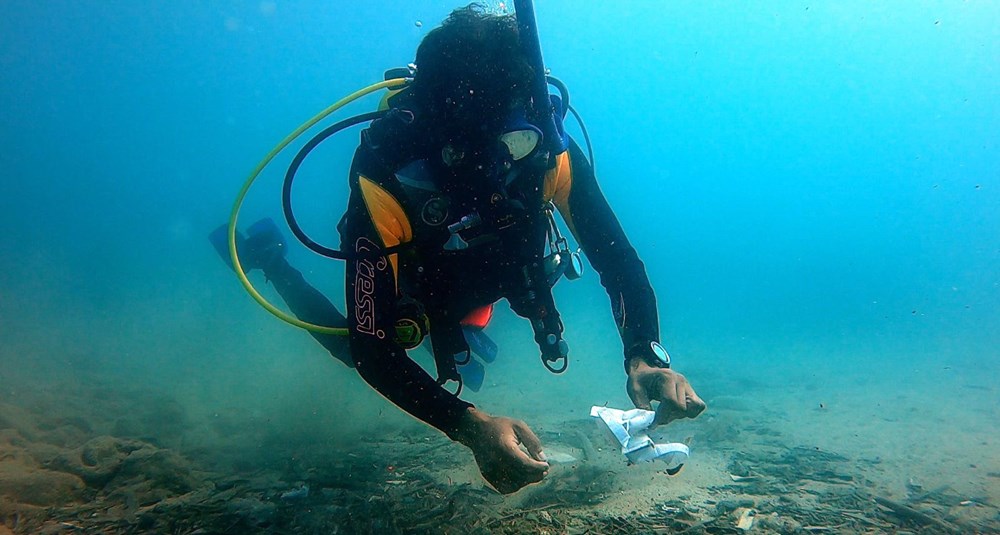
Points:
(640, 398)
(519, 477)
(680, 395)
(665, 413)
(525, 463)
(510, 481)
(530, 441)
(695, 405)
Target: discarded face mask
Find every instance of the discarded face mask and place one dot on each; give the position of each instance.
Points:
(629, 428)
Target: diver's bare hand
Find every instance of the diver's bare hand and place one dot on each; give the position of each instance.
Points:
(677, 398)
(495, 442)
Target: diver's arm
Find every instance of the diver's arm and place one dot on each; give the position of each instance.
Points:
(633, 303)
(371, 315)
(600, 235)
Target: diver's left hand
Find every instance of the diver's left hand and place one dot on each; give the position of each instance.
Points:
(677, 399)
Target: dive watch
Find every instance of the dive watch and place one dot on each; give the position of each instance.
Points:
(651, 353)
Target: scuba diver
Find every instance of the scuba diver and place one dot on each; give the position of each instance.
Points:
(454, 187)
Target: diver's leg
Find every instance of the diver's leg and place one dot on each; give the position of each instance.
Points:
(264, 248)
(311, 306)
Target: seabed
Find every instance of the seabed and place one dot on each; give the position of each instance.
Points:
(58, 479)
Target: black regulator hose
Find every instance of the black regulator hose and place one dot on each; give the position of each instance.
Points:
(286, 188)
(563, 92)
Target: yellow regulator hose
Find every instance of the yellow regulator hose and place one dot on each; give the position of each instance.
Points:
(284, 316)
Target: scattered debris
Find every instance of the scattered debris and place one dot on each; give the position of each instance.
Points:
(296, 494)
(744, 518)
(554, 455)
(908, 513)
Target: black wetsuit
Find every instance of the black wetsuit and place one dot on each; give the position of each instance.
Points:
(387, 208)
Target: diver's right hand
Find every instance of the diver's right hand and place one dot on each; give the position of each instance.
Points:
(496, 444)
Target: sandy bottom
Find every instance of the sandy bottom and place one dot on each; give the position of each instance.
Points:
(870, 452)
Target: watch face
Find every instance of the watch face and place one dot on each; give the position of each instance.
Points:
(660, 353)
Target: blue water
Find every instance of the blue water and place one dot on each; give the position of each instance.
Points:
(813, 187)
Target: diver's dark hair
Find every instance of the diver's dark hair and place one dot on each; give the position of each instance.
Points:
(470, 71)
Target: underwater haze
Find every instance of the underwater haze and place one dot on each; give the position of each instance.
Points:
(814, 188)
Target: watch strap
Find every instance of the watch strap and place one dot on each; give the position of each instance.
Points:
(651, 352)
